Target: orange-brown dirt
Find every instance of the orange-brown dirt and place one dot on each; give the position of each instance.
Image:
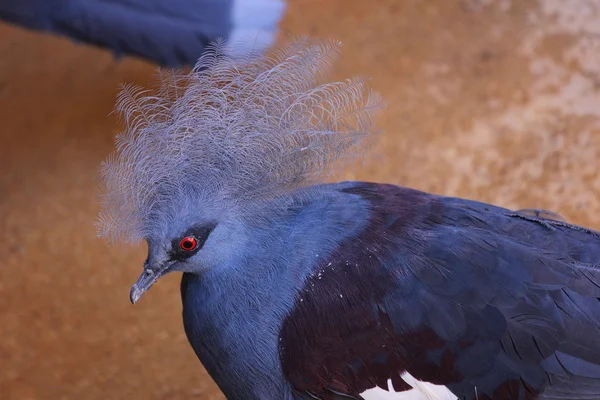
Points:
(491, 100)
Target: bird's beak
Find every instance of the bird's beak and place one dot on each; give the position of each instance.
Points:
(146, 280)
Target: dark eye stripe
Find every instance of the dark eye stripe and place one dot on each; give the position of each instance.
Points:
(199, 234)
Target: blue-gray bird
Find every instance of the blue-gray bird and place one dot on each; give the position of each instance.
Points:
(172, 33)
(297, 289)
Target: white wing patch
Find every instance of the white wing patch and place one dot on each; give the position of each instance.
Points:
(420, 391)
(255, 21)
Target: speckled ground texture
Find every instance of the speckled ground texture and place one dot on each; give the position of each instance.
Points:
(492, 100)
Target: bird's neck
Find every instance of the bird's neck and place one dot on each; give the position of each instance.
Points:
(233, 315)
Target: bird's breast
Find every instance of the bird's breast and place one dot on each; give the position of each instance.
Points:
(229, 332)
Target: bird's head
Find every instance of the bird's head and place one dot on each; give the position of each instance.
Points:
(191, 238)
(193, 246)
(182, 251)
(214, 150)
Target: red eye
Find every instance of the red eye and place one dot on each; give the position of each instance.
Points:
(188, 243)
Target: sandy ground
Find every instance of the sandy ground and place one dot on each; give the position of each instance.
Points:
(492, 100)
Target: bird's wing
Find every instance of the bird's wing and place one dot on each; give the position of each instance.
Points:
(171, 33)
(539, 213)
(486, 302)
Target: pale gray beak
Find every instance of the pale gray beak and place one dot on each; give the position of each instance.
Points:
(146, 280)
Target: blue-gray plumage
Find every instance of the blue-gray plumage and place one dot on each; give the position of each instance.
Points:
(297, 289)
(171, 33)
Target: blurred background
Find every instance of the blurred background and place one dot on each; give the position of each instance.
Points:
(493, 100)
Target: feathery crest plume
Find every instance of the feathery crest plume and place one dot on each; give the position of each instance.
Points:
(232, 132)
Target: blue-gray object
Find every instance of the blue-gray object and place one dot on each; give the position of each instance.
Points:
(171, 33)
(297, 289)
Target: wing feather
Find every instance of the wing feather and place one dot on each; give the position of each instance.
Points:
(488, 302)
